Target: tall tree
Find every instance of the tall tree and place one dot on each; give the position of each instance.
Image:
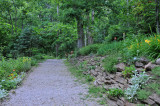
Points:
(157, 16)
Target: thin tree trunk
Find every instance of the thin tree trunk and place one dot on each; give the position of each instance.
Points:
(15, 16)
(157, 16)
(85, 38)
(92, 15)
(11, 22)
(80, 30)
(57, 46)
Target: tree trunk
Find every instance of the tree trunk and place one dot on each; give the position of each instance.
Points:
(57, 46)
(15, 16)
(11, 22)
(92, 15)
(80, 30)
(157, 15)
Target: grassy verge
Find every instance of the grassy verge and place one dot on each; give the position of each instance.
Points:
(96, 92)
(13, 71)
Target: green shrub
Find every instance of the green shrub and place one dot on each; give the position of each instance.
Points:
(105, 49)
(148, 46)
(109, 63)
(156, 71)
(115, 92)
(89, 49)
(89, 78)
(3, 93)
(8, 84)
(128, 71)
(34, 62)
(143, 94)
(155, 87)
(97, 91)
(38, 57)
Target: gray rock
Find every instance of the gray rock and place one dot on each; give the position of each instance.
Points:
(158, 61)
(155, 98)
(119, 74)
(120, 103)
(94, 73)
(108, 82)
(150, 66)
(112, 76)
(130, 104)
(121, 86)
(120, 67)
(139, 69)
(149, 101)
(121, 80)
(95, 83)
(139, 64)
(107, 78)
(100, 82)
(144, 60)
(111, 102)
(100, 73)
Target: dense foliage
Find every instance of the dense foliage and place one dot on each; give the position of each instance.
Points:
(60, 26)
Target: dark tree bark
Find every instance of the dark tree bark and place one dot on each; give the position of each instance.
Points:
(80, 31)
(157, 16)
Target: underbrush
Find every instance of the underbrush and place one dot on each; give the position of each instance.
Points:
(12, 71)
(93, 90)
(91, 49)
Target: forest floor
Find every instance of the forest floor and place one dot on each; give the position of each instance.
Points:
(50, 84)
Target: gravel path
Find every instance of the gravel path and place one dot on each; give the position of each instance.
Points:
(50, 84)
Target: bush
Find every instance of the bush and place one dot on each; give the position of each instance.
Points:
(115, 92)
(143, 94)
(109, 63)
(156, 71)
(110, 47)
(128, 71)
(137, 81)
(3, 93)
(38, 57)
(89, 49)
(149, 46)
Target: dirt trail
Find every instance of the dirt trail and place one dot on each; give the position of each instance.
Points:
(50, 84)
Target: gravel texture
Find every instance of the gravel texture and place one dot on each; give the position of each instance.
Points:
(50, 84)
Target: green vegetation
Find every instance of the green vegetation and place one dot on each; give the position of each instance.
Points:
(154, 87)
(128, 72)
(143, 94)
(115, 92)
(156, 71)
(91, 49)
(97, 91)
(119, 29)
(109, 63)
(12, 73)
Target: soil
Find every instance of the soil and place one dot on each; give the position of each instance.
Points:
(50, 84)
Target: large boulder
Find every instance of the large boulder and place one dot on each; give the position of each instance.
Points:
(120, 67)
